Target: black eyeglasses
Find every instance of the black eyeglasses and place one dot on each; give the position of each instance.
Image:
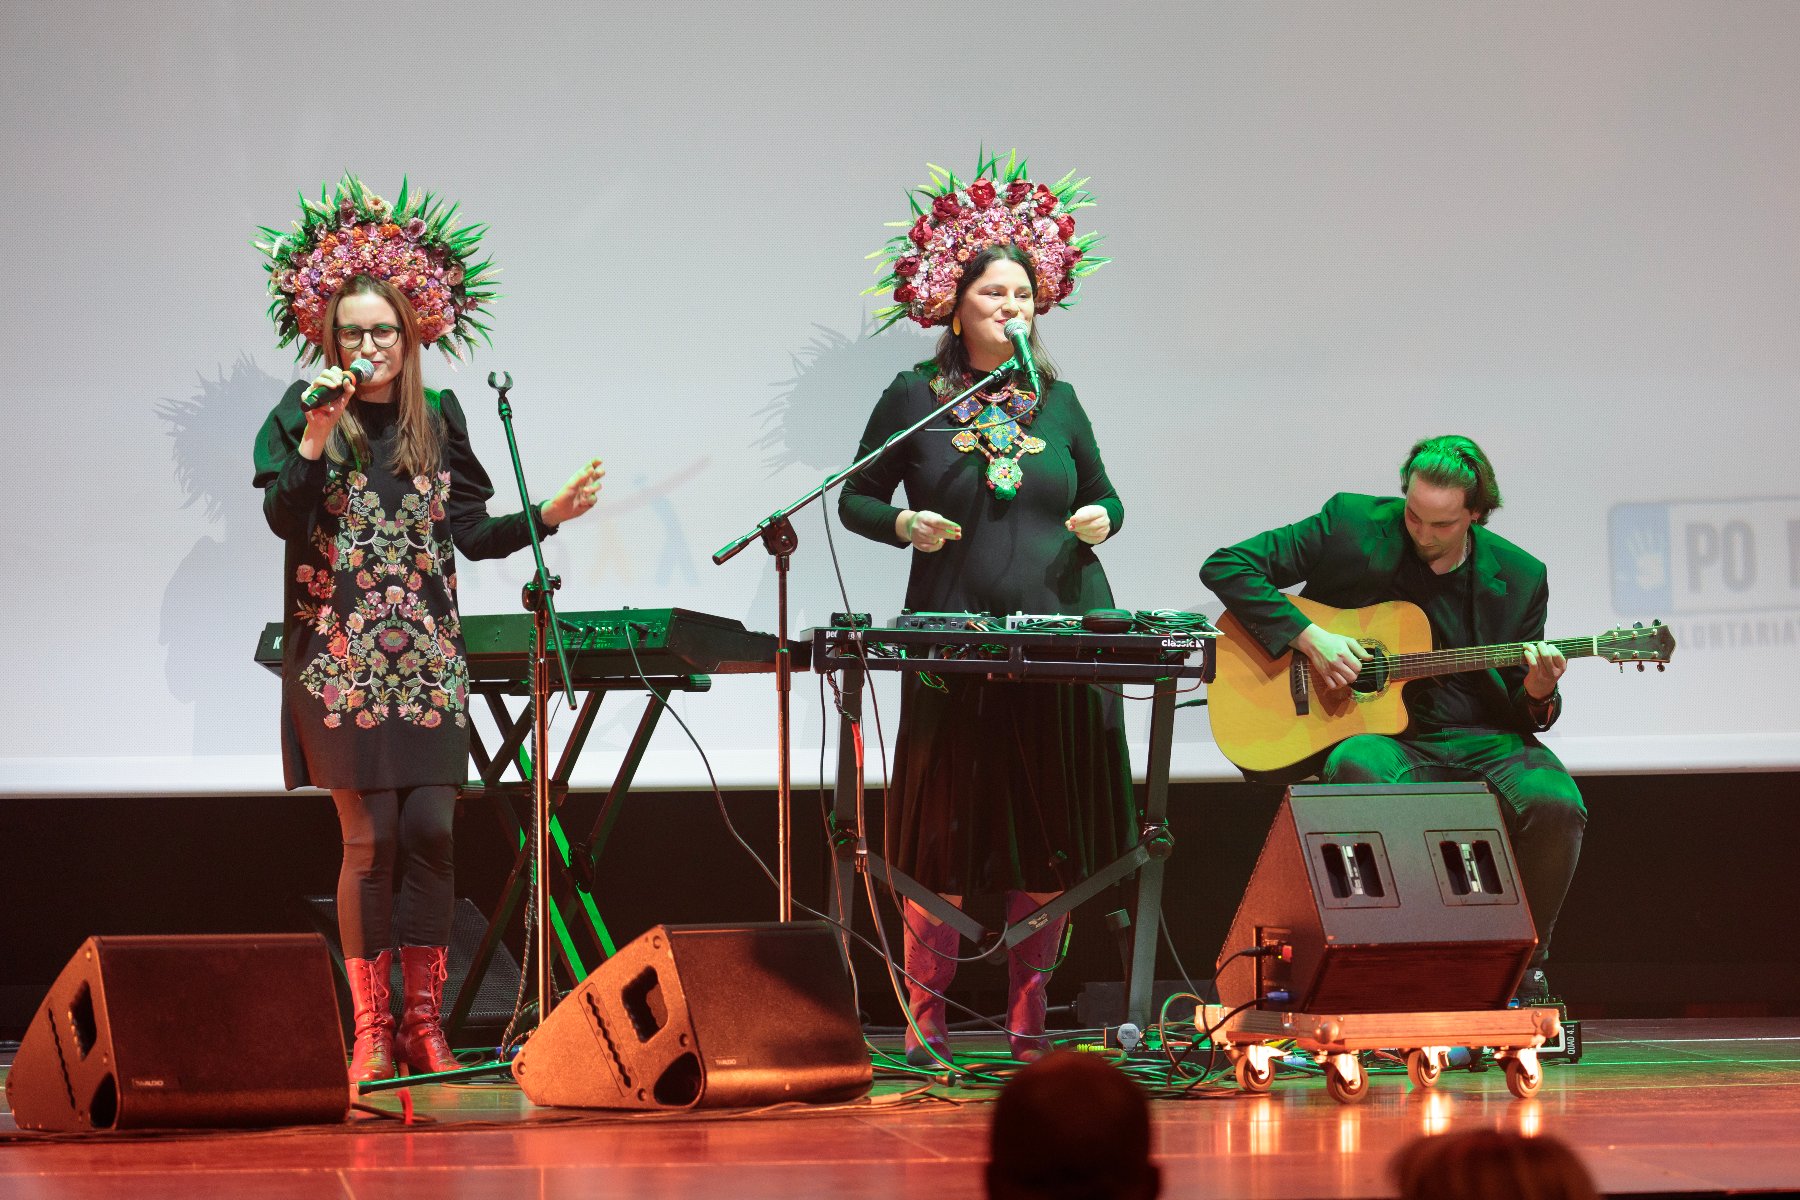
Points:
(351, 336)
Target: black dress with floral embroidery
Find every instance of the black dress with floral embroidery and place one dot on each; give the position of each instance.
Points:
(374, 691)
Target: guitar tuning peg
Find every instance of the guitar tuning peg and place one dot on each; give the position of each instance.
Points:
(1637, 624)
(1662, 666)
(1640, 668)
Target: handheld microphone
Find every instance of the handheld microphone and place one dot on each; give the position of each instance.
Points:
(314, 396)
(1020, 332)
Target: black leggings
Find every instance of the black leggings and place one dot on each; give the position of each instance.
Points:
(416, 822)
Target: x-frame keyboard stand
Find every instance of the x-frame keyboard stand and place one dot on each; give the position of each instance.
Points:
(837, 650)
(580, 939)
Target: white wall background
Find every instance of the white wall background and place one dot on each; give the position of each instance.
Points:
(1569, 230)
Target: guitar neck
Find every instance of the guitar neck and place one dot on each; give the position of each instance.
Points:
(1480, 658)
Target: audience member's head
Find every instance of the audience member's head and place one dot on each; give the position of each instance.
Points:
(1071, 1127)
(1490, 1164)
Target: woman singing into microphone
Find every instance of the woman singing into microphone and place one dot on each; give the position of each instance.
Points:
(1020, 788)
(374, 489)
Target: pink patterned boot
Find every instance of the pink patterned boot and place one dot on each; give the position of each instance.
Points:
(931, 963)
(1028, 966)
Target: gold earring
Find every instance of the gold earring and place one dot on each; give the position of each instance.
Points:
(956, 326)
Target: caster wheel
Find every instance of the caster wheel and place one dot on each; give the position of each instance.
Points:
(1422, 1069)
(1251, 1079)
(1344, 1091)
(1523, 1081)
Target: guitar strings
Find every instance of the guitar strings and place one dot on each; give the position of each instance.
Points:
(1506, 654)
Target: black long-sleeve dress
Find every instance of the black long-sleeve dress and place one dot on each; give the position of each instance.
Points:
(374, 680)
(999, 785)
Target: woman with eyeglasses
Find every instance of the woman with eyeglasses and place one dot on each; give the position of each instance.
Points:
(376, 492)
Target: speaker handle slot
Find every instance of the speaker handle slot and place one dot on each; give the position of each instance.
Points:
(1487, 868)
(1367, 875)
(82, 1024)
(1336, 873)
(1351, 869)
(681, 1084)
(644, 1004)
(103, 1108)
(1471, 867)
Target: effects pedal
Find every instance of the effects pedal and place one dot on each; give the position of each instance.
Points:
(941, 622)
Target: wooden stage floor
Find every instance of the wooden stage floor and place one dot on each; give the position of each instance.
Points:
(1671, 1107)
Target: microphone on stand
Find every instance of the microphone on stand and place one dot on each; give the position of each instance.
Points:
(1020, 332)
(314, 396)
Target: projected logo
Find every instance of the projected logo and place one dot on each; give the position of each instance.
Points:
(1692, 557)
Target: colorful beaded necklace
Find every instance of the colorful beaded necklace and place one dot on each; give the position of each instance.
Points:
(996, 423)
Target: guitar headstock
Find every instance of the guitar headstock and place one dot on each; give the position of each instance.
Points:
(1640, 644)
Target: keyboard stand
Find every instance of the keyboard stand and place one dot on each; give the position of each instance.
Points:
(835, 650)
(580, 938)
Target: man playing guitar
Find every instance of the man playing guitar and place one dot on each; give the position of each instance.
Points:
(1431, 547)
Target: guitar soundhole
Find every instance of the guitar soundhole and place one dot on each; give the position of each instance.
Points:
(1375, 673)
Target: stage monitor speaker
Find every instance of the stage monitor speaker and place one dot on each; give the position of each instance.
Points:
(1371, 898)
(184, 1032)
(707, 1016)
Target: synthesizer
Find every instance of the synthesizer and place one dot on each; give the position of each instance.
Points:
(1118, 648)
(601, 645)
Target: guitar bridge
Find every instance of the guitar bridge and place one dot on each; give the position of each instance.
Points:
(1299, 686)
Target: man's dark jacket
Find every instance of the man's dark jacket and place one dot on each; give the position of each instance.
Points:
(1348, 555)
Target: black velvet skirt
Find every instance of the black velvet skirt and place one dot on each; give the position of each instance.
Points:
(1001, 786)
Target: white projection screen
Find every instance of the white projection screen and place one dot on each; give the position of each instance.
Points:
(1568, 230)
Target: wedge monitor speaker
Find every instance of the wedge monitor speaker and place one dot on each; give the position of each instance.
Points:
(704, 1016)
(1380, 898)
(184, 1032)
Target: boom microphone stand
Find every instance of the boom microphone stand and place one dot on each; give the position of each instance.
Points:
(538, 597)
(777, 533)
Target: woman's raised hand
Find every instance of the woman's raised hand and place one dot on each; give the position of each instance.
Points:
(577, 496)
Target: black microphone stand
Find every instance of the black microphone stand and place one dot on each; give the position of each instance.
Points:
(538, 597)
(777, 533)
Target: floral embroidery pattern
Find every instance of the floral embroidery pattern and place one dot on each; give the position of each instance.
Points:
(388, 656)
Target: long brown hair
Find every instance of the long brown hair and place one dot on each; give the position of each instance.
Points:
(952, 357)
(418, 450)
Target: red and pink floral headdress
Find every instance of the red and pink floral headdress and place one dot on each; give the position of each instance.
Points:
(957, 220)
(411, 243)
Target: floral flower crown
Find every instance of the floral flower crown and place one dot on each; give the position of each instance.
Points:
(957, 220)
(411, 244)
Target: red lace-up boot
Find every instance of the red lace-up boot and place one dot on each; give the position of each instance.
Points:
(420, 1044)
(372, 1055)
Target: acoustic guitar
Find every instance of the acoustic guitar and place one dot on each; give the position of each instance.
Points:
(1268, 713)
